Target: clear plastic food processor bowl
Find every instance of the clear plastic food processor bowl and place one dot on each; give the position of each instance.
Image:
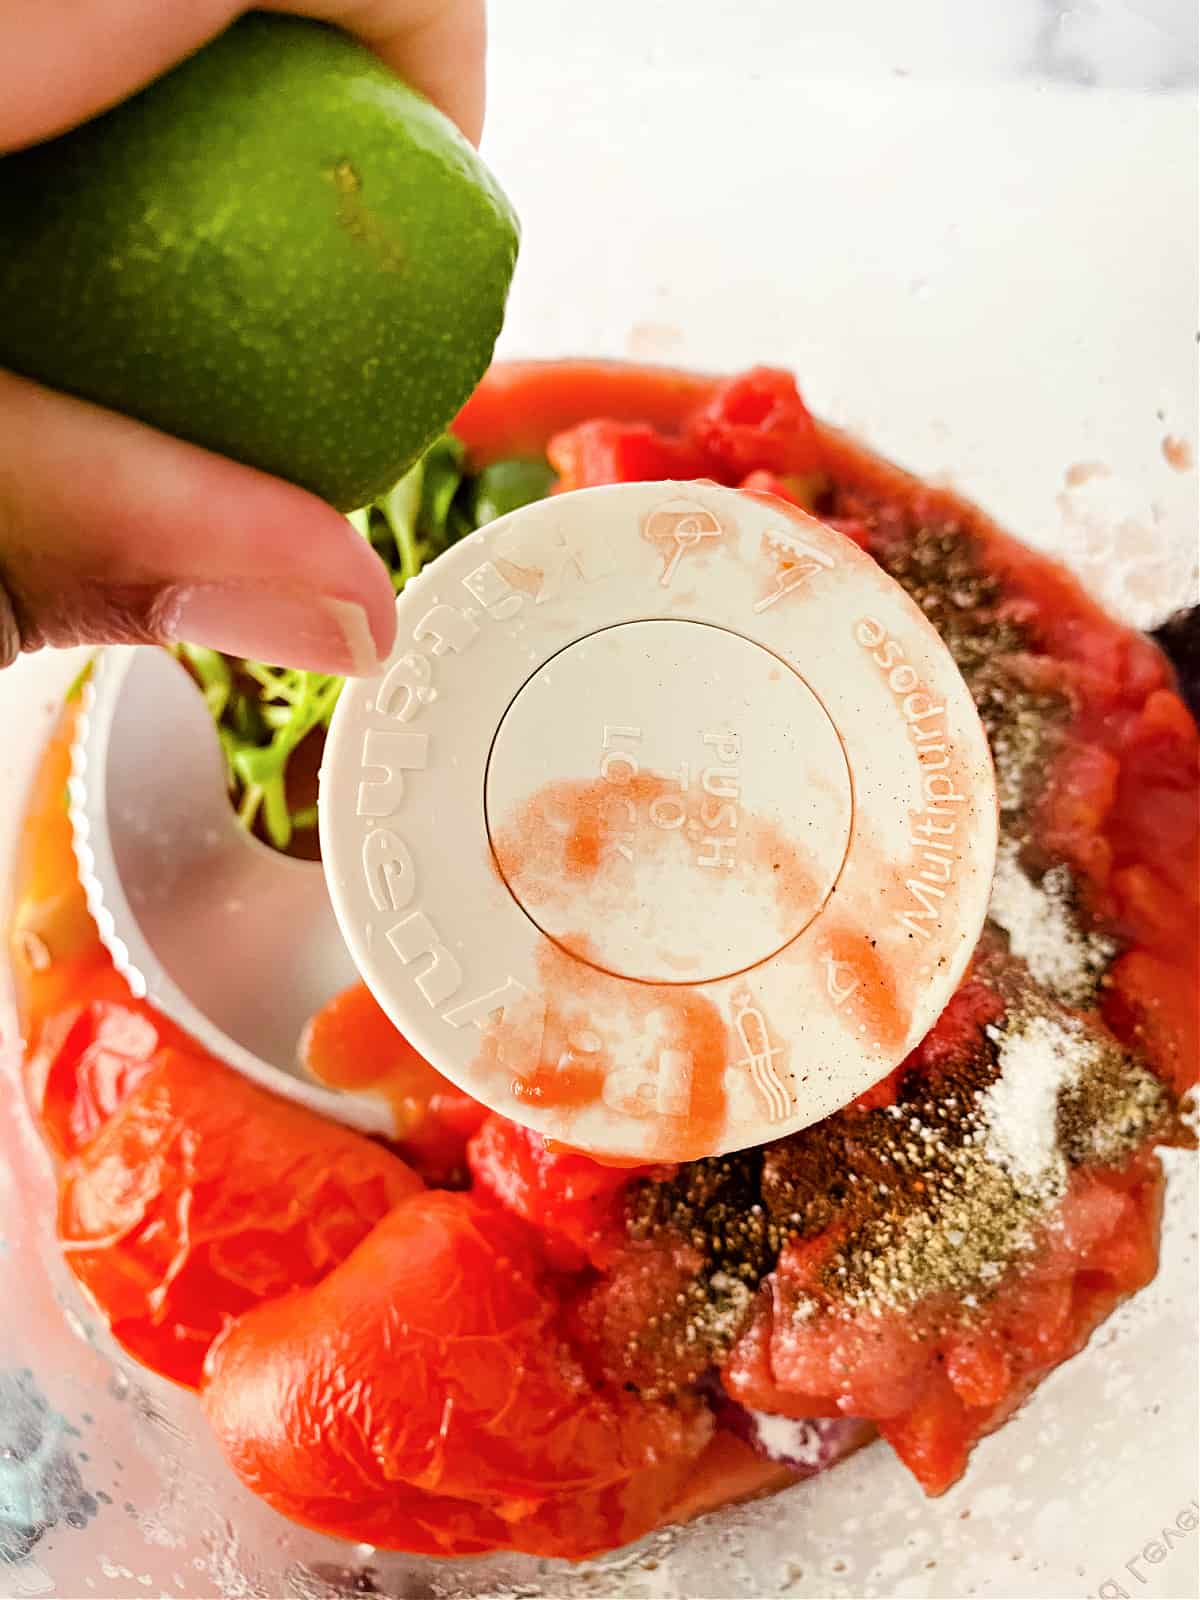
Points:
(971, 233)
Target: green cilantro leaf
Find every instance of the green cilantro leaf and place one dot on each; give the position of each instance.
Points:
(264, 713)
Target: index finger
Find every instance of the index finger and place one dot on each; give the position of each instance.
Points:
(437, 46)
(62, 63)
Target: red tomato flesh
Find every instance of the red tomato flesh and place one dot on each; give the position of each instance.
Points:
(202, 1195)
(443, 1329)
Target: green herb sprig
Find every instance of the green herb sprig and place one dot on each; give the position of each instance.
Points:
(264, 713)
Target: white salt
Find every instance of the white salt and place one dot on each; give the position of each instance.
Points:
(785, 1439)
(1040, 1058)
(1042, 930)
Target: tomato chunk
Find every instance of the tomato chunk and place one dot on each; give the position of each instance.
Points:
(937, 1378)
(91, 1054)
(756, 422)
(620, 452)
(443, 1330)
(202, 1195)
(573, 1201)
(519, 405)
(351, 1044)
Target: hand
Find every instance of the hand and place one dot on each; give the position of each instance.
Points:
(111, 532)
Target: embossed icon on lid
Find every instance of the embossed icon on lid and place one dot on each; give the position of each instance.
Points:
(680, 525)
(660, 869)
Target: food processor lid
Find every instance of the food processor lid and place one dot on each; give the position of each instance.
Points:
(668, 827)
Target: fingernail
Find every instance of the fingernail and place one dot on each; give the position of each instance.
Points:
(283, 629)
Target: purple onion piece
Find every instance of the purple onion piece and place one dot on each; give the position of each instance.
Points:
(807, 1447)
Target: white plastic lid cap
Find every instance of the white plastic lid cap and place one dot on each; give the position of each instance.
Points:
(669, 827)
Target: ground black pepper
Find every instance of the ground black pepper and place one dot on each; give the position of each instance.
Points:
(924, 1194)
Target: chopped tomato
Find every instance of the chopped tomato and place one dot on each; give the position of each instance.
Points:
(619, 452)
(443, 1329)
(937, 1378)
(803, 491)
(573, 1201)
(1111, 661)
(91, 1055)
(749, 1378)
(1077, 805)
(88, 1042)
(1150, 1004)
(852, 528)
(754, 422)
(979, 1370)
(631, 1324)
(202, 1195)
(789, 490)
(1120, 808)
(437, 1146)
(351, 1044)
(958, 1031)
(613, 424)
(520, 405)
(1154, 818)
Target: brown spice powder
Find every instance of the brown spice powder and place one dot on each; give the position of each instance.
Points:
(925, 1194)
(939, 569)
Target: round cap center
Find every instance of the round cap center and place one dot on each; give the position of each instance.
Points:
(668, 801)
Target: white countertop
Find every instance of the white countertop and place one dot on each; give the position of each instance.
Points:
(1138, 44)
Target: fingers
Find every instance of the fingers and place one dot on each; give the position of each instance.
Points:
(63, 62)
(111, 532)
(437, 46)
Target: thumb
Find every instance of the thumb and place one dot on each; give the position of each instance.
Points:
(114, 533)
